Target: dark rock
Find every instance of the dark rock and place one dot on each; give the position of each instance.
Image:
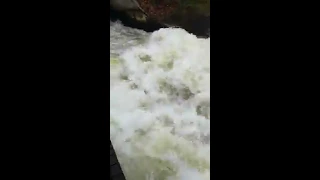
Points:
(126, 20)
(123, 5)
(191, 15)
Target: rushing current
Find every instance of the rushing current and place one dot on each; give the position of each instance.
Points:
(160, 103)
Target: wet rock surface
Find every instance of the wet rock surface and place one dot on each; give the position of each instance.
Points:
(127, 20)
(123, 5)
(191, 15)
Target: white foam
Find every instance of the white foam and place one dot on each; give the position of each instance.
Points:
(160, 103)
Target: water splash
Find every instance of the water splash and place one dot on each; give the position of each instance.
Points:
(160, 103)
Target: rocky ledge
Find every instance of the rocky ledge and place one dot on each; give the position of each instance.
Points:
(150, 15)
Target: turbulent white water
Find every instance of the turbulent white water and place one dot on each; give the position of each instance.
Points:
(160, 103)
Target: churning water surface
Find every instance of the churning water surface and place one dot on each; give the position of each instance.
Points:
(160, 103)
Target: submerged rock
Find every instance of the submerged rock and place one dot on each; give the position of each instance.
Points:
(191, 15)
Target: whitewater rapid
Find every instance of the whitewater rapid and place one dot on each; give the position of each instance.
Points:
(160, 103)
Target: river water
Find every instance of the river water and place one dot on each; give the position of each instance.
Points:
(160, 103)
